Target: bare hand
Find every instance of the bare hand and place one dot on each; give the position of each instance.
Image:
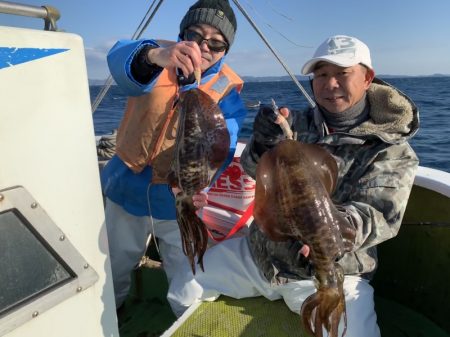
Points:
(305, 250)
(284, 112)
(185, 55)
(200, 199)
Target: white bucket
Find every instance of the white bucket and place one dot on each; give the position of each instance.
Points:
(229, 197)
(220, 222)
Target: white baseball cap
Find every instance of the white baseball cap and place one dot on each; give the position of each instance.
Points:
(341, 50)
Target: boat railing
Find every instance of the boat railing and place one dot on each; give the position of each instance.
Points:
(433, 179)
(48, 13)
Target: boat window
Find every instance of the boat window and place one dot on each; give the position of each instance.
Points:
(39, 266)
(29, 265)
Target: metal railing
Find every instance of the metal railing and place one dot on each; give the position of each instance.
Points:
(48, 13)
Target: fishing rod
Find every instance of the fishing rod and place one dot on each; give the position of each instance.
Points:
(274, 52)
(137, 34)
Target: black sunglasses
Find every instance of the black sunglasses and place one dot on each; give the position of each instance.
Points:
(213, 44)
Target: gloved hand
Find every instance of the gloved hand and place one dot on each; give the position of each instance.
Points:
(266, 132)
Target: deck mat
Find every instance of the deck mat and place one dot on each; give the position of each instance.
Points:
(418, 277)
(147, 314)
(255, 317)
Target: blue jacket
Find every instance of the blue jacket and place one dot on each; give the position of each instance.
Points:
(133, 191)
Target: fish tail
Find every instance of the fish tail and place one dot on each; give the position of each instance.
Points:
(194, 235)
(324, 309)
(308, 309)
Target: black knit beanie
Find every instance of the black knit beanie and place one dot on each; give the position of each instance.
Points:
(216, 13)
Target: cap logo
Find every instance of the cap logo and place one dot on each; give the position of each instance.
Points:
(220, 14)
(340, 45)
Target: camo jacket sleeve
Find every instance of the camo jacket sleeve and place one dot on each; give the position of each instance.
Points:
(373, 192)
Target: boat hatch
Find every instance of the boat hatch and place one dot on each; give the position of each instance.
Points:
(39, 266)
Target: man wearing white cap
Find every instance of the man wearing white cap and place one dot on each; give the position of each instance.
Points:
(365, 124)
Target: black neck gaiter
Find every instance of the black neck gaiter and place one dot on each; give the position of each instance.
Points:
(345, 120)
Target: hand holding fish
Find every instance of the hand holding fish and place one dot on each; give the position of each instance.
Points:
(266, 131)
(200, 199)
(281, 114)
(184, 55)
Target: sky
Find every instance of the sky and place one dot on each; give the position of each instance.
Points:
(405, 37)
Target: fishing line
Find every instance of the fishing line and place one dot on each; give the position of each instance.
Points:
(275, 53)
(150, 18)
(273, 8)
(273, 28)
(152, 225)
(139, 30)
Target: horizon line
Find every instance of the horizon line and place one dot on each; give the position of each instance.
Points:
(307, 77)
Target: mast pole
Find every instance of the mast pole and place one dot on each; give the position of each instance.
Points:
(274, 52)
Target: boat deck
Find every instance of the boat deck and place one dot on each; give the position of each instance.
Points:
(148, 315)
(411, 290)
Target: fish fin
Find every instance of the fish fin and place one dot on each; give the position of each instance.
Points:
(193, 231)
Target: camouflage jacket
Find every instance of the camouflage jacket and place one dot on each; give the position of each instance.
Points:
(376, 173)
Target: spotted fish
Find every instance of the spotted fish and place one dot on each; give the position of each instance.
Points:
(292, 201)
(201, 148)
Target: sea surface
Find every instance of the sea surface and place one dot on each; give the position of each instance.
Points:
(431, 95)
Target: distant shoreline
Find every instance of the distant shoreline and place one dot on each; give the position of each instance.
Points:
(285, 78)
(306, 78)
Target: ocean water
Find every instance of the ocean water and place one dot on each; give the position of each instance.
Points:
(431, 95)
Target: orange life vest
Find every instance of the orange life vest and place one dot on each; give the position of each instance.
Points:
(147, 133)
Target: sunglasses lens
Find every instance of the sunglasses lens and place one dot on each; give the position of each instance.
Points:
(190, 35)
(216, 45)
(213, 45)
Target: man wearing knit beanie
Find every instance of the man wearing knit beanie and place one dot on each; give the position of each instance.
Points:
(153, 73)
(216, 13)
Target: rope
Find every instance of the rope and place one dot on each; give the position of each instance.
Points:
(102, 93)
(137, 34)
(106, 146)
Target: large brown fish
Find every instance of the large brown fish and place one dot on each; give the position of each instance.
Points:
(292, 201)
(202, 146)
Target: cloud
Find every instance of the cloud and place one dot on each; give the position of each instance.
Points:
(96, 60)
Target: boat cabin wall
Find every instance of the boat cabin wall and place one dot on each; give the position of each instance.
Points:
(47, 146)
